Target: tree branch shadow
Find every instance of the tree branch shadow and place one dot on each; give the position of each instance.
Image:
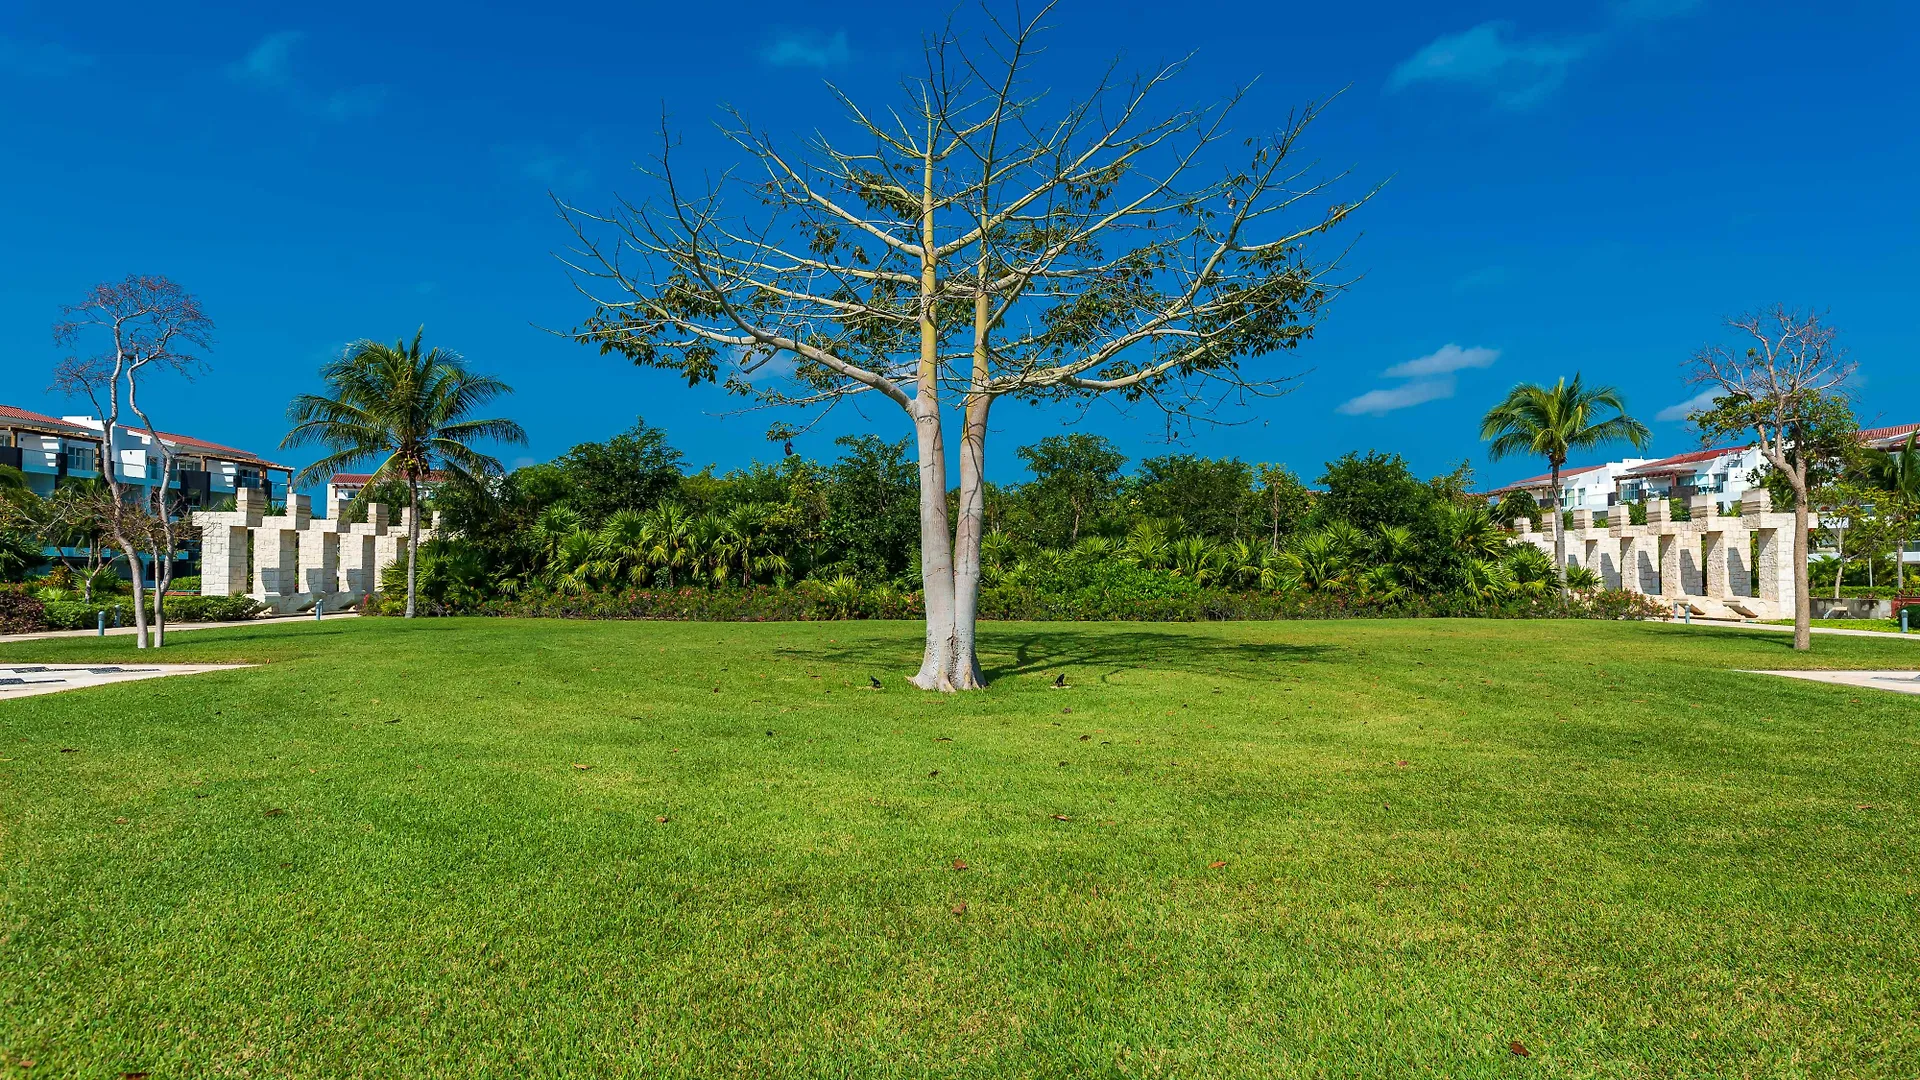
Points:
(1007, 652)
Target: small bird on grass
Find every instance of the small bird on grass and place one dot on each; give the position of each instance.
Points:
(873, 682)
(1060, 681)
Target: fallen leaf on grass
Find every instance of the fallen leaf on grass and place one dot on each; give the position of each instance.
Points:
(69, 750)
(1061, 817)
(1084, 738)
(662, 819)
(1217, 864)
(1864, 806)
(1518, 1049)
(133, 1076)
(943, 738)
(1400, 764)
(960, 908)
(581, 767)
(959, 864)
(274, 812)
(933, 774)
(119, 821)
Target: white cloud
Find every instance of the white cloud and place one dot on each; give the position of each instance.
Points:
(1407, 394)
(39, 59)
(269, 66)
(1445, 360)
(1702, 400)
(808, 48)
(1522, 71)
(1519, 71)
(269, 63)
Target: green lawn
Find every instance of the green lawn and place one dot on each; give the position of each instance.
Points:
(533, 849)
(1885, 626)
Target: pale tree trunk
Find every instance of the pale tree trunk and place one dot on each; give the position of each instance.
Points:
(132, 552)
(936, 541)
(413, 542)
(1802, 600)
(1840, 554)
(968, 533)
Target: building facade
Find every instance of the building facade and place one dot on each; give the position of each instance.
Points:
(51, 450)
(1582, 487)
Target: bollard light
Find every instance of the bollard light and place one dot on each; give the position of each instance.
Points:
(103, 622)
(317, 606)
(1903, 620)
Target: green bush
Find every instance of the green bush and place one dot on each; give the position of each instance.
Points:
(189, 584)
(843, 598)
(80, 615)
(20, 611)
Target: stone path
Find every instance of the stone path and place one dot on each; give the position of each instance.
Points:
(28, 680)
(1900, 682)
(173, 627)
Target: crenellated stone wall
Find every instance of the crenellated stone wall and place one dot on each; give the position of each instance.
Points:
(1703, 563)
(298, 560)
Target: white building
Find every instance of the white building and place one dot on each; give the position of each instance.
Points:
(1721, 472)
(344, 487)
(51, 449)
(1582, 487)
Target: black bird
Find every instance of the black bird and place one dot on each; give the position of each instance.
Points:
(1060, 681)
(874, 682)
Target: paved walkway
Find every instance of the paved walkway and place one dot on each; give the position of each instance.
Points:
(1721, 624)
(28, 680)
(172, 627)
(1900, 682)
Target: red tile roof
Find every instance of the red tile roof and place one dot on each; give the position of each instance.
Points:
(1888, 434)
(361, 477)
(1674, 464)
(229, 453)
(22, 416)
(1544, 479)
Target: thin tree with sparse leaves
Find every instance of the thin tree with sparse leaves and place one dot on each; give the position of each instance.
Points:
(1552, 422)
(411, 409)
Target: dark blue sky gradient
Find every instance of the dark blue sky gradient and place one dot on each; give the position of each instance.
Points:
(1579, 186)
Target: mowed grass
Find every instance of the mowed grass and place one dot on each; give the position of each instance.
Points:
(1246, 850)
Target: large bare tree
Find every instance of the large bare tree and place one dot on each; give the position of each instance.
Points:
(135, 328)
(970, 244)
(1782, 381)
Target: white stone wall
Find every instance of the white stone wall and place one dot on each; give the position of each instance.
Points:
(1702, 563)
(298, 560)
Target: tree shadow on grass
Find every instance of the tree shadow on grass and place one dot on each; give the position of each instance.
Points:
(1005, 653)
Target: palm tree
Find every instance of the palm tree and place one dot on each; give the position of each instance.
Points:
(1552, 422)
(412, 410)
(1897, 472)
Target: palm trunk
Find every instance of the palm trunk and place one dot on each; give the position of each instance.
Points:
(413, 542)
(1559, 534)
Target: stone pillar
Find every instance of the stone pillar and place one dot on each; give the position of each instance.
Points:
(223, 544)
(359, 574)
(320, 562)
(390, 546)
(276, 554)
(1775, 557)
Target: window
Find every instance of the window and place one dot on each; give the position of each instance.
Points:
(79, 458)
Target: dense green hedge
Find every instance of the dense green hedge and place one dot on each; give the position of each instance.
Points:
(1010, 603)
(80, 615)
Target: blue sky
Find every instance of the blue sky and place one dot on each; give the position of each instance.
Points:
(1574, 187)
